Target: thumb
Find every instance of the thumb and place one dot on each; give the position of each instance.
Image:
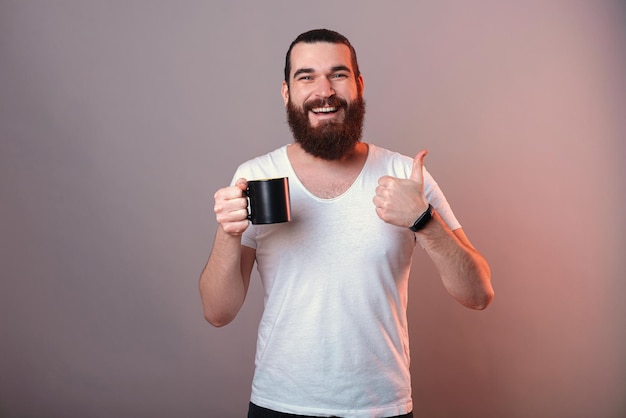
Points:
(417, 174)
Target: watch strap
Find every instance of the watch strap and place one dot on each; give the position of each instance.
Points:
(423, 219)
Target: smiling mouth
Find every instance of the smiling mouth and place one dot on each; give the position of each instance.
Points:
(322, 110)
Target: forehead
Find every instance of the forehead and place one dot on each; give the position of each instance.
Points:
(320, 56)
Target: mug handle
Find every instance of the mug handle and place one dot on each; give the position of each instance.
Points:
(249, 208)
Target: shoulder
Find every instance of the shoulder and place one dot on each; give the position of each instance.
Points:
(272, 164)
(271, 157)
(394, 163)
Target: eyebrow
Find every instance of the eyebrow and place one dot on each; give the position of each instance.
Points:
(311, 70)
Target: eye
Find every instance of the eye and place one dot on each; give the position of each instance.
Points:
(340, 75)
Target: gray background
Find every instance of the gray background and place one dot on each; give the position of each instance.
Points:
(120, 119)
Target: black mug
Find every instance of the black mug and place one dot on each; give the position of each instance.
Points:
(269, 201)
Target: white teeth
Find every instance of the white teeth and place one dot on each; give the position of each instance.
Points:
(324, 109)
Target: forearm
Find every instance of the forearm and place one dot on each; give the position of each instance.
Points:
(464, 271)
(223, 283)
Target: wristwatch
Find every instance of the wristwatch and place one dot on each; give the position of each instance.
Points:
(423, 219)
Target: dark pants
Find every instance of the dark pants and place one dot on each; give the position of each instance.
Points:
(259, 412)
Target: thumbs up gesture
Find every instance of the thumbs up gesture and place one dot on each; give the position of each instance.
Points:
(401, 201)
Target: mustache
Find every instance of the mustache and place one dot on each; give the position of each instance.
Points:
(332, 101)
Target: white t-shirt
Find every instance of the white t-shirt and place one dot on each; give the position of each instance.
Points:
(333, 338)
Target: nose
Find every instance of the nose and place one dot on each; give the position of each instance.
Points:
(324, 87)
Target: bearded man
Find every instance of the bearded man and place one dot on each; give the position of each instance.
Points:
(333, 338)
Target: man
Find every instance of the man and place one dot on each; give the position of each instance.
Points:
(333, 339)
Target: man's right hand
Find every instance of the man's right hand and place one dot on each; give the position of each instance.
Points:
(231, 208)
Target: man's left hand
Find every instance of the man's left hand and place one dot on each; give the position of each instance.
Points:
(401, 201)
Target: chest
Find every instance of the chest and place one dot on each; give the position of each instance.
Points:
(326, 186)
(327, 182)
(326, 237)
(327, 179)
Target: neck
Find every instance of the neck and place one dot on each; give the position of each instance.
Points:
(323, 178)
(355, 156)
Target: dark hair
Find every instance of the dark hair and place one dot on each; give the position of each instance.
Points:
(321, 35)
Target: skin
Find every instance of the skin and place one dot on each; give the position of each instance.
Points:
(321, 70)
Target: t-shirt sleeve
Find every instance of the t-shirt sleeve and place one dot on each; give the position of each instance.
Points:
(436, 198)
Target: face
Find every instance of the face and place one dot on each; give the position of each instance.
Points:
(324, 101)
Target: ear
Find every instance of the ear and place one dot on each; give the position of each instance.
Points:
(360, 84)
(284, 91)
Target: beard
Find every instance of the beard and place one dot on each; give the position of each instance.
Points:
(330, 140)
